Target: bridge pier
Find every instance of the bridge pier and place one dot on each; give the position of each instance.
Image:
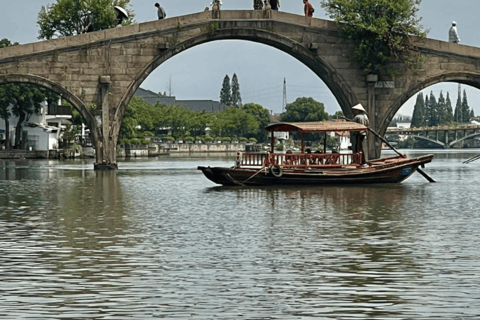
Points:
(107, 157)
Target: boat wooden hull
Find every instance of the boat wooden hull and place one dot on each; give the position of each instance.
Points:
(389, 170)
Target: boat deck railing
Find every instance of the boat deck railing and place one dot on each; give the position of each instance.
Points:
(291, 160)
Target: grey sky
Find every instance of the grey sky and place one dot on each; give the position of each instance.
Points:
(198, 73)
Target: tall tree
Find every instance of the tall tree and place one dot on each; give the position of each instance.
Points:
(67, 17)
(236, 97)
(380, 30)
(225, 92)
(448, 110)
(6, 100)
(418, 117)
(457, 115)
(431, 110)
(465, 108)
(28, 100)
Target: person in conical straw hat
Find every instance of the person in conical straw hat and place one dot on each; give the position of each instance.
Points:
(358, 138)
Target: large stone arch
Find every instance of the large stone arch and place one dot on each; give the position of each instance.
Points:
(324, 70)
(63, 92)
(468, 78)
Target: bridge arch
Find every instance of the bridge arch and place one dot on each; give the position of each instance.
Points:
(55, 87)
(325, 71)
(468, 78)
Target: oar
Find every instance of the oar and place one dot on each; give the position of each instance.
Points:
(472, 159)
(402, 155)
(391, 147)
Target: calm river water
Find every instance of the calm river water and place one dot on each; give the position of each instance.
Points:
(156, 239)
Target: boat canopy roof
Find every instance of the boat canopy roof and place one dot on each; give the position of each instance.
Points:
(318, 126)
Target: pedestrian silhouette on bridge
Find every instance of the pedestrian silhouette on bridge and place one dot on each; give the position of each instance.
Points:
(275, 4)
(308, 9)
(257, 4)
(453, 33)
(89, 22)
(160, 11)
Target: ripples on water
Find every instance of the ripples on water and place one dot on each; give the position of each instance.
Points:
(158, 240)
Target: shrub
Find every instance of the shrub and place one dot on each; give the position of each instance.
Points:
(148, 134)
(243, 139)
(170, 138)
(189, 138)
(208, 139)
(253, 140)
(135, 142)
(226, 139)
(145, 142)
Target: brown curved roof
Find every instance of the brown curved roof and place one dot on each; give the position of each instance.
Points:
(319, 126)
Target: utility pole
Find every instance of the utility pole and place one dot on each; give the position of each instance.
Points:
(284, 104)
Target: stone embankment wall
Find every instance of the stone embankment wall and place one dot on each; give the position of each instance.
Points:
(165, 148)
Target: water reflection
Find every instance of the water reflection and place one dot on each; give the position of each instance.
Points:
(157, 240)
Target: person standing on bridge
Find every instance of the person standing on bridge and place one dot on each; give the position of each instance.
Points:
(160, 11)
(308, 8)
(257, 5)
(89, 22)
(359, 137)
(453, 33)
(275, 4)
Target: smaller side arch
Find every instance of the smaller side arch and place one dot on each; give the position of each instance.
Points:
(63, 92)
(468, 78)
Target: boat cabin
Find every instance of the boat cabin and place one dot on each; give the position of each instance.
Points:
(305, 159)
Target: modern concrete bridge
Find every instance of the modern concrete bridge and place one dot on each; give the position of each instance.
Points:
(467, 131)
(99, 72)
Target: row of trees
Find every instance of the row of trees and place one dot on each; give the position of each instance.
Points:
(247, 121)
(430, 112)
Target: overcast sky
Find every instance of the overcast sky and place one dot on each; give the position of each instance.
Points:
(198, 72)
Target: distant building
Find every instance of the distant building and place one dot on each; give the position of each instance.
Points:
(194, 105)
(43, 130)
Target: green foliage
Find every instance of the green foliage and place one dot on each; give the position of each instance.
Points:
(69, 133)
(148, 134)
(189, 138)
(243, 139)
(236, 96)
(170, 138)
(145, 142)
(226, 139)
(208, 139)
(418, 117)
(212, 27)
(381, 30)
(135, 141)
(234, 122)
(67, 17)
(253, 140)
(225, 92)
(304, 110)
(263, 117)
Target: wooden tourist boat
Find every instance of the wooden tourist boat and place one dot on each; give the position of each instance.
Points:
(314, 168)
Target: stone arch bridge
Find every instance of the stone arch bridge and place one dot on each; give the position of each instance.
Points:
(99, 72)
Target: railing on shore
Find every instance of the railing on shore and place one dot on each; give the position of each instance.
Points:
(290, 160)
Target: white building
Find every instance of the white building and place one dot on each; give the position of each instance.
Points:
(43, 130)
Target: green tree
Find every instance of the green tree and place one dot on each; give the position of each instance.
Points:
(465, 108)
(67, 17)
(379, 29)
(431, 111)
(225, 92)
(236, 97)
(234, 122)
(457, 115)
(418, 117)
(6, 100)
(448, 113)
(262, 115)
(304, 110)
